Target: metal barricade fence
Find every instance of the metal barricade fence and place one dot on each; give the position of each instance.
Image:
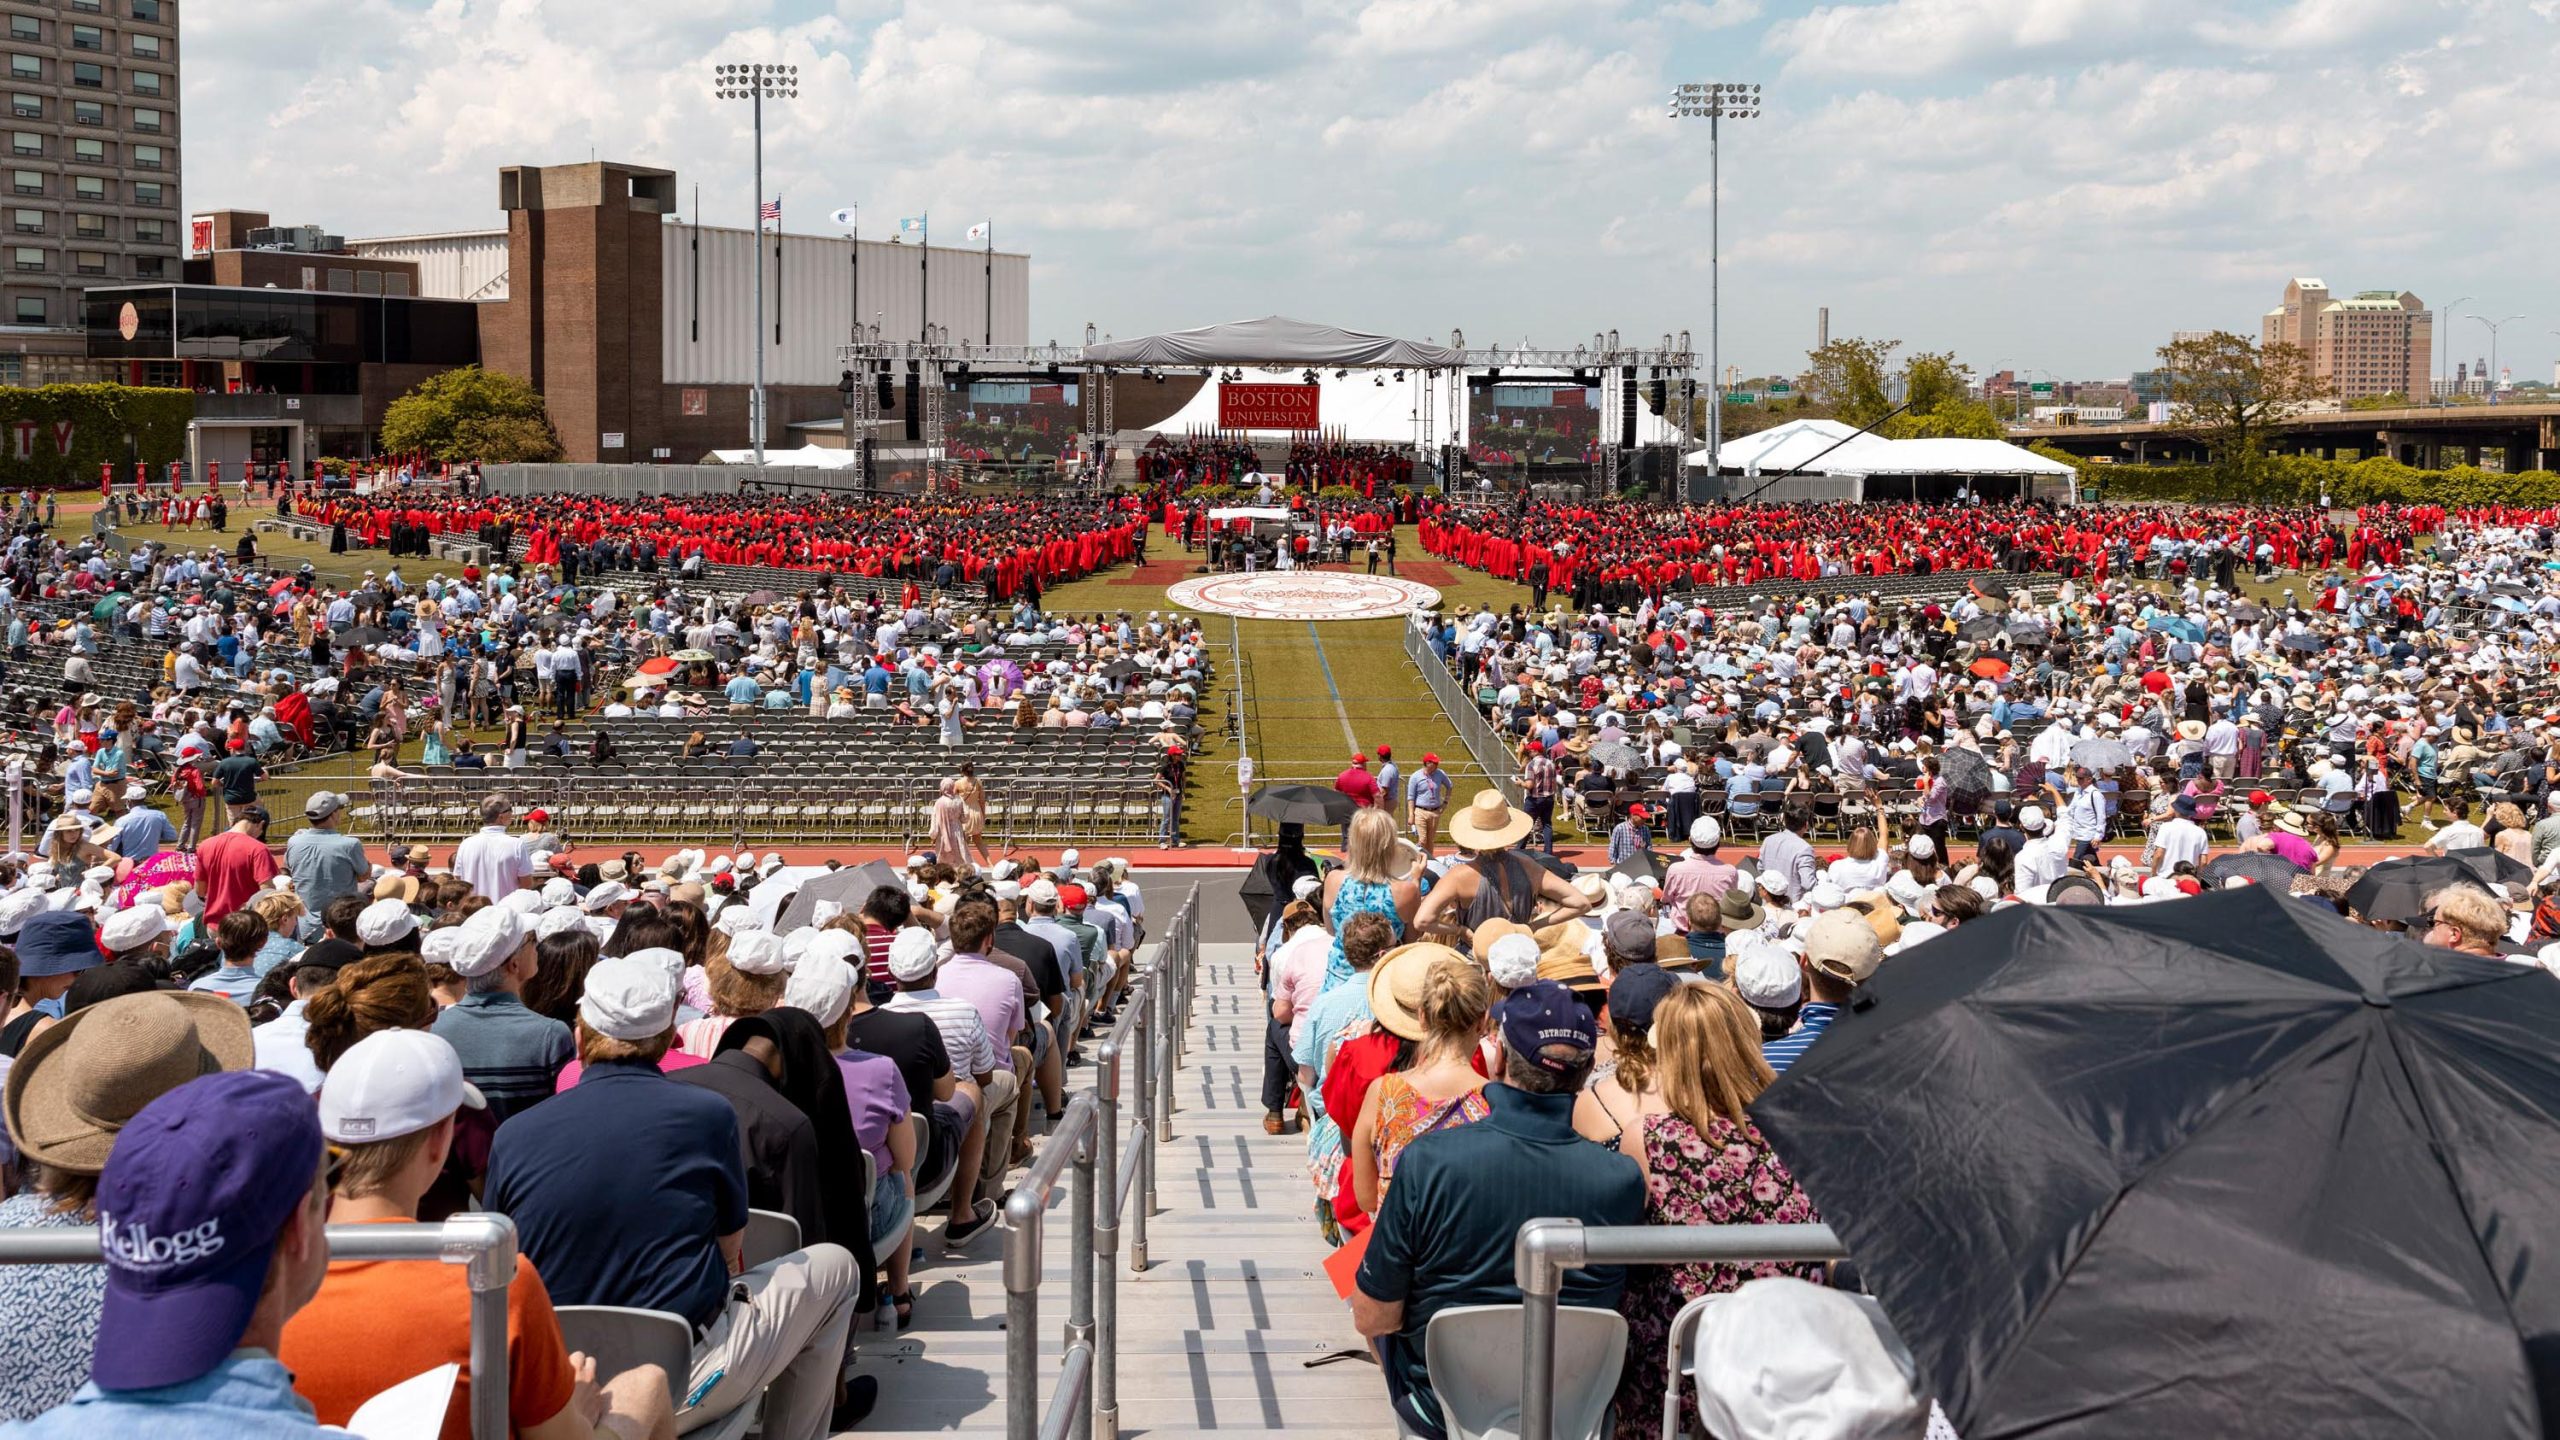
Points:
(1108, 1171)
(1546, 1249)
(482, 1243)
(1492, 756)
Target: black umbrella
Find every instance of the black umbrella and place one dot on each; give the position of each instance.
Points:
(1121, 667)
(2265, 869)
(2399, 889)
(1555, 865)
(360, 637)
(1302, 805)
(2303, 642)
(1980, 628)
(1967, 773)
(2492, 866)
(2159, 1170)
(1643, 864)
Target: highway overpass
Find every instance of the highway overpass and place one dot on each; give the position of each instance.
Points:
(2500, 437)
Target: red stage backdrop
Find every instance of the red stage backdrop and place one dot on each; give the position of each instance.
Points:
(1267, 407)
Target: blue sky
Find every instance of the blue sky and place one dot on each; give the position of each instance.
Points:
(2044, 184)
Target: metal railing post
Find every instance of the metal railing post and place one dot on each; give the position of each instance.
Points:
(1024, 1212)
(1142, 1038)
(1080, 1220)
(1161, 1057)
(1106, 1241)
(1545, 1249)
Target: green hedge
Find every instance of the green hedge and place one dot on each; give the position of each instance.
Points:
(99, 417)
(2303, 479)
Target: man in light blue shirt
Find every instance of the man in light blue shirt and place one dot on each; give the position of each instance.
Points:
(743, 691)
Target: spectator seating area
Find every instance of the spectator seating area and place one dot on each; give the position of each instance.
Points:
(1888, 587)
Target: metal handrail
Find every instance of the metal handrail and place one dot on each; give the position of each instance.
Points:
(483, 1244)
(1108, 1172)
(1546, 1248)
(1492, 756)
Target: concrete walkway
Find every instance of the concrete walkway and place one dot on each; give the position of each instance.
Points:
(1215, 1335)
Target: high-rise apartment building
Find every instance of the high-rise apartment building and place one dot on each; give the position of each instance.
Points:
(93, 170)
(2377, 342)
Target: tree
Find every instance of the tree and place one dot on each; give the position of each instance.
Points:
(1938, 389)
(1849, 375)
(471, 414)
(2229, 391)
(2393, 401)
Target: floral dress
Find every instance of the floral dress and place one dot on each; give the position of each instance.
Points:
(1406, 1115)
(1729, 1176)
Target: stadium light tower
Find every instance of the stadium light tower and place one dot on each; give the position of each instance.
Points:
(753, 83)
(1714, 101)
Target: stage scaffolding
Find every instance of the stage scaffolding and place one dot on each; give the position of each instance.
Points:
(1623, 373)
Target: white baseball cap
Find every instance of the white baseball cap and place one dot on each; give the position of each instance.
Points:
(488, 940)
(1705, 833)
(822, 987)
(757, 952)
(629, 997)
(611, 892)
(1768, 977)
(393, 1083)
(133, 927)
(1512, 961)
(829, 944)
(913, 954)
(385, 922)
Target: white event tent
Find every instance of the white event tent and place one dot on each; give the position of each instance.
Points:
(1834, 461)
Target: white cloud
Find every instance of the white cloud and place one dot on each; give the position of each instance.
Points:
(1935, 170)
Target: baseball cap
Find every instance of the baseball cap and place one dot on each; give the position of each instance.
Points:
(1635, 990)
(489, 939)
(1543, 1013)
(385, 923)
(1767, 977)
(537, 816)
(1629, 937)
(201, 1182)
(133, 927)
(821, 986)
(1842, 945)
(629, 997)
(1512, 961)
(251, 812)
(756, 952)
(323, 804)
(1705, 833)
(913, 954)
(393, 1083)
(1429, 758)
(1073, 897)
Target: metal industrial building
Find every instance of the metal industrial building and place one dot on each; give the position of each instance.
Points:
(635, 322)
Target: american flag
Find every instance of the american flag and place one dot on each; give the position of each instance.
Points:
(772, 211)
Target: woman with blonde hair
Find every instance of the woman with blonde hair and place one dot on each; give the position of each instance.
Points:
(1705, 1163)
(746, 977)
(1434, 1004)
(1367, 882)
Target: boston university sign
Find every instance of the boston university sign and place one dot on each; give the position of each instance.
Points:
(1267, 407)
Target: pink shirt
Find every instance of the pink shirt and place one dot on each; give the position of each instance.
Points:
(2293, 847)
(992, 990)
(1694, 874)
(668, 1064)
(1297, 974)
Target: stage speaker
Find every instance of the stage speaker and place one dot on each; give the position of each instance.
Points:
(1452, 465)
(888, 397)
(1661, 396)
(911, 409)
(1627, 403)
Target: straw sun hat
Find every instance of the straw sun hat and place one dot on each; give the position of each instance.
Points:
(1488, 823)
(1395, 986)
(80, 1079)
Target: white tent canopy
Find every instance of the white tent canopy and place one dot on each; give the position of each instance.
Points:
(1273, 340)
(1941, 457)
(808, 456)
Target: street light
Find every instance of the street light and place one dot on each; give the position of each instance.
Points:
(2444, 344)
(2494, 326)
(1714, 101)
(752, 83)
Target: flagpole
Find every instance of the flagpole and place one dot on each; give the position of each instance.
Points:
(777, 267)
(991, 284)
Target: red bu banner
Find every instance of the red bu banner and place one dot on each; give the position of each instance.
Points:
(1267, 407)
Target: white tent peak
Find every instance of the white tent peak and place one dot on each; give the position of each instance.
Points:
(1273, 340)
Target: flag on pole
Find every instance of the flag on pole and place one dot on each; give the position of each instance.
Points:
(982, 230)
(911, 225)
(772, 211)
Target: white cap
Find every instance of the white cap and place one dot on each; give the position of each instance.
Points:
(438, 947)
(1512, 961)
(1922, 847)
(26, 902)
(559, 890)
(1782, 1356)
(524, 903)
(913, 954)
(1768, 977)
(822, 987)
(1067, 859)
(385, 922)
(393, 1083)
(133, 927)
(1826, 896)
(824, 945)
(490, 938)
(757, 952)
(629, 997)
(1005, 890)
(2032, 820)
(1042, 891)
(1705, 833)
(1305, 887)
(558, 920)
(611, 892)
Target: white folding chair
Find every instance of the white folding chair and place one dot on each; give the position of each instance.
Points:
(1473, 1355)
(618, 1337)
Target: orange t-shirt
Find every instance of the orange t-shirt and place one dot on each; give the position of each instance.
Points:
(376, 1323)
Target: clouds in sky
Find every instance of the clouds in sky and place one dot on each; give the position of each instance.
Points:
(2052, 184)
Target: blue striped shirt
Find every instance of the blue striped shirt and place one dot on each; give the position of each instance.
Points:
(1788, 1048)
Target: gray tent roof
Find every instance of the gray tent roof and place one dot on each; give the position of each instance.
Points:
(1273, 340)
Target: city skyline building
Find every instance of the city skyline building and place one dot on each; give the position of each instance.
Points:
(2375, 342)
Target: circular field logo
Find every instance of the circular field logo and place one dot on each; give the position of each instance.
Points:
(1303, 595)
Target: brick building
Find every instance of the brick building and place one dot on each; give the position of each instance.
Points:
(2376, 342)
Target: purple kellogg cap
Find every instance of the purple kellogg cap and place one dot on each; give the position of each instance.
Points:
(1537, 1015)
(199, 1185)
